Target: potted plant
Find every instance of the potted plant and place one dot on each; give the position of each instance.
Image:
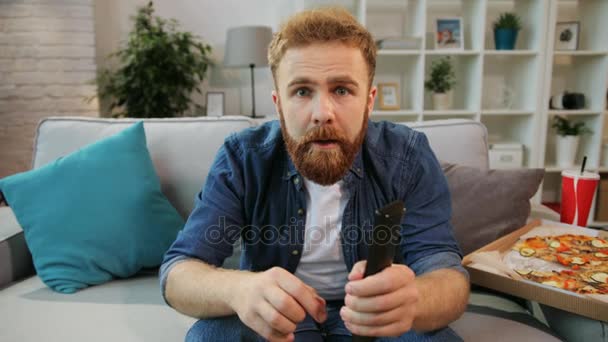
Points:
(568, 136)
(441, 81)
(159, 68)
(506, 28)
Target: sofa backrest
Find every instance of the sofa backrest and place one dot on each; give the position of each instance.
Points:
(457, 141)
(183, 149)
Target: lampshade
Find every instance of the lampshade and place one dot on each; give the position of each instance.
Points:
(247, 45)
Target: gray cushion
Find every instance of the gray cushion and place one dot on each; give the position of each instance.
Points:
(15, 257)
(121, 310)
(474, 326)
(489, 204)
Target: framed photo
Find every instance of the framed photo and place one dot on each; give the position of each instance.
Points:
(388, 96)
(448, 34)
(215, 103)
(566, 35)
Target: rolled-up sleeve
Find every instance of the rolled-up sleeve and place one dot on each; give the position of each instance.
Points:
(443, 260)
(217, 218)
(428, 242)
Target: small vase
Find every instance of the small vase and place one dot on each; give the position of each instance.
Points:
(505, 39)
(565, 150)
(442, 101)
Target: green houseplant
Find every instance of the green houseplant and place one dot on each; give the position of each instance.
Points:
(159, 68)
(567, 140)
(506, 28)
(441, 80)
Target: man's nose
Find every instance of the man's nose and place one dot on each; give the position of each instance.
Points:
(323, 110)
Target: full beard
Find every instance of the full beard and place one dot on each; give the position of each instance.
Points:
(323, 166)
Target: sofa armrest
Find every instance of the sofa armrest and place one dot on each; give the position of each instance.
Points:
(539, 211)
(15, 257)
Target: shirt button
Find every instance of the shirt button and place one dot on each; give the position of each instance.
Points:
(300, 211)
(295, 252)
(296, 181)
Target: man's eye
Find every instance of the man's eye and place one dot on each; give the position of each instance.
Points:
(342, 91)
(302, 92)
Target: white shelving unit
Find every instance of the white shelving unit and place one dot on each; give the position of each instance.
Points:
(533, 71)
(583, 70)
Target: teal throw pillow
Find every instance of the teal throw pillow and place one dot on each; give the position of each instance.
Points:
(95, 214)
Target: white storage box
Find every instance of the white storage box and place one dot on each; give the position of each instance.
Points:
(506, 155)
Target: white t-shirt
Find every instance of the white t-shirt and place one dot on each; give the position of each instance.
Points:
(322, 263)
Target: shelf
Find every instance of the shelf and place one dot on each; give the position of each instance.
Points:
(574, 112)
(452, 52)
(580, 53)
(603, 224)
(398, 52)
(394, 112)
(506, 112)
(511, 52)
(511, 81)
(449, 112)
(554, 168)
(506, 90)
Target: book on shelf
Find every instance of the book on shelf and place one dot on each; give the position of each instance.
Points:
(405, 43)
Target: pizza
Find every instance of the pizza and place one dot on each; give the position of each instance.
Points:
(584, 282)
(586, 258)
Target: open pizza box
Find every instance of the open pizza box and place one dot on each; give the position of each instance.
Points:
(485, 272)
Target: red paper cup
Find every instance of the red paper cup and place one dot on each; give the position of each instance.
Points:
(577, 195)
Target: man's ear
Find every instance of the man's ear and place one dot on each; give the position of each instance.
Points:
(277, 101)
(371, 98)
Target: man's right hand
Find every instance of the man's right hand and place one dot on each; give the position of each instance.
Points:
(274, 301)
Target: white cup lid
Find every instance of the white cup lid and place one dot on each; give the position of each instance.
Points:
(577, 174)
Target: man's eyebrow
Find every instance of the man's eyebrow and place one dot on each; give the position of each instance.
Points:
(300, 80)
(343, 79)
(336, 79)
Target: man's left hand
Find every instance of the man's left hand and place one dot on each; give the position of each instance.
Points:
(383, 304)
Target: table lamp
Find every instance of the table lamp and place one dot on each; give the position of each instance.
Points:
(248, 46)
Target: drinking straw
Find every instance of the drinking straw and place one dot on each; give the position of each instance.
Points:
(583, 166)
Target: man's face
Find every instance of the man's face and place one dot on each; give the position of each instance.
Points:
(323, 101)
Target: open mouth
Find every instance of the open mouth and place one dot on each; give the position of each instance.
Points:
(326, 142)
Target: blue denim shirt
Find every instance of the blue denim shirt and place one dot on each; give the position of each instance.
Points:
(253, 191)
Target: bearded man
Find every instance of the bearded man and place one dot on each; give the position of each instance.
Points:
(300, 194)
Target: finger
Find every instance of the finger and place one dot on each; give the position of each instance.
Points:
(382, 303)
(285, 304)
(389, 280)
(358, 271)
(275, 319)
(309, 300)
(392, 330)
(259, 325)
(372, 319)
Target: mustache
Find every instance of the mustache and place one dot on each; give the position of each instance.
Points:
(323, 133)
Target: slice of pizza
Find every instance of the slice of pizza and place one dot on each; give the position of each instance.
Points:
(585, 283)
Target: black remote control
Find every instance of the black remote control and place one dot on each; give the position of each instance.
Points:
(383, 245)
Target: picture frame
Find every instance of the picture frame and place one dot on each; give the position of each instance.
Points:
(567, 35)
(449, 34)
(215, 103)
(388, 96)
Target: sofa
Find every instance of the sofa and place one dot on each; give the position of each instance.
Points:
(182, 150)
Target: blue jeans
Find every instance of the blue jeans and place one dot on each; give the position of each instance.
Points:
(332, 330)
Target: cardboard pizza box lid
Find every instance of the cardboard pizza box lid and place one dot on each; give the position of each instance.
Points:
(561, 299)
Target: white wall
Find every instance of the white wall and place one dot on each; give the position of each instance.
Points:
(210, 20)
(47, 59)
